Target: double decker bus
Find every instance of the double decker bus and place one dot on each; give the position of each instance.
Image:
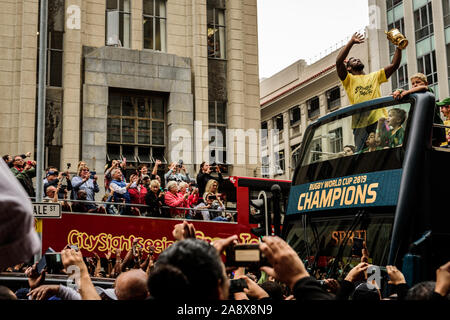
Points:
(394, 198)
(102, 232)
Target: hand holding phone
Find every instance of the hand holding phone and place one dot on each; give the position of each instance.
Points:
(245, 255)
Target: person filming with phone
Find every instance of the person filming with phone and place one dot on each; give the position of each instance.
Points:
(85, 180)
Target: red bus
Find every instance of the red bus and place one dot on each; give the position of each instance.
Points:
(101, 232)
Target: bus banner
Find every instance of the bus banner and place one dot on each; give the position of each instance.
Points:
(360, 190)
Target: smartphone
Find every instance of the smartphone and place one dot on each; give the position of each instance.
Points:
(54, 262)
(93, 173)
(74, 247)
(245, 255)
(237, 285)
(357, 247)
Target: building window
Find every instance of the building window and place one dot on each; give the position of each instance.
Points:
(136, 128)
(423, 22)
(446, 12)
(295, 150)
(118, 23)
(316, 150)
(333, 98)
(392, 3)
(294, 115)
(265, 166)
(313, 107)
(427, 65)
(264, 134)
(217, 116)
(216, 33)
(55, 44)
(280, 165)
(336, 141)
(278, 123)
(154, 19)
(400, 78)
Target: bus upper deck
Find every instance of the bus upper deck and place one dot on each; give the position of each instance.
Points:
(388, 191)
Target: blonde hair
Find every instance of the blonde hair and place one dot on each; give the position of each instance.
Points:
(420, 76)
(209, 185)
(155, 183)
(80, 168)
(170, 185)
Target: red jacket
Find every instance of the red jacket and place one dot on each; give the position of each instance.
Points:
(137, 195)
(176, 200)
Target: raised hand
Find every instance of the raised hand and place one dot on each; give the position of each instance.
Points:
(357, 38)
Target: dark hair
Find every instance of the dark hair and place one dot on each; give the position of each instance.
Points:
(5, 157)
(421, 291)
(6, 294)
(274, 289)
(201, 166)
(199, 262)
(351, 147)
(167, 282)
(365, 293)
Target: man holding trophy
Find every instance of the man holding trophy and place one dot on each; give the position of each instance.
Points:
(361, 87)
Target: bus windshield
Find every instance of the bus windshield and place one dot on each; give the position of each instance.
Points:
(326, 245)
(336, 138)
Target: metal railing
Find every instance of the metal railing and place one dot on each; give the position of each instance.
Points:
(163, 208)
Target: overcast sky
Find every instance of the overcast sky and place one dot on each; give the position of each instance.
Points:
(290, 30)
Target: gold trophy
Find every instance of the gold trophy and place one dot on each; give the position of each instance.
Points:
(397, 38)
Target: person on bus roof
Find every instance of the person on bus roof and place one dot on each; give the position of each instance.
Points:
(394, 136)
(419, 83)
(445, 109)
(362, 87)
(204, 176)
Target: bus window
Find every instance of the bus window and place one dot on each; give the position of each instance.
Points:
(326, 245)
(329, 140)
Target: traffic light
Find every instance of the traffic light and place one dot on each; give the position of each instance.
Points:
(261, 217)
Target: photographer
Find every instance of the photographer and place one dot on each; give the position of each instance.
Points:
(174, 173)
(24, 173)
(86, 181)
(212, 208)
(55, 179)
(205, 175)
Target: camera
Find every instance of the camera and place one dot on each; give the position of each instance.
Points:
(212, 197)
(93, 173)
(245, 255)
(69, 165)
(237, 285)
(180, 163)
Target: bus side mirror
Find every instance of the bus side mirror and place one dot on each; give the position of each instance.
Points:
(261, 217)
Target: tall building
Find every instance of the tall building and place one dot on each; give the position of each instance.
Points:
(426, 25)
(141, 80)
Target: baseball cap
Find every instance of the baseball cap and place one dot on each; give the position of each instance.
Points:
(145, 177)
(445, 102)
(51, 173)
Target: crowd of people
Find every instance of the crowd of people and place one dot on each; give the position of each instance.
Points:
(175, 195)
(193, 270)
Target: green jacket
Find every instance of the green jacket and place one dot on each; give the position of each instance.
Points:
(26, 179)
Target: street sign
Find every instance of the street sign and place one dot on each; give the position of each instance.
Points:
(47, 210)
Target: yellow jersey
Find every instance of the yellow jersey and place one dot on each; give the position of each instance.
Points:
(362, 88)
